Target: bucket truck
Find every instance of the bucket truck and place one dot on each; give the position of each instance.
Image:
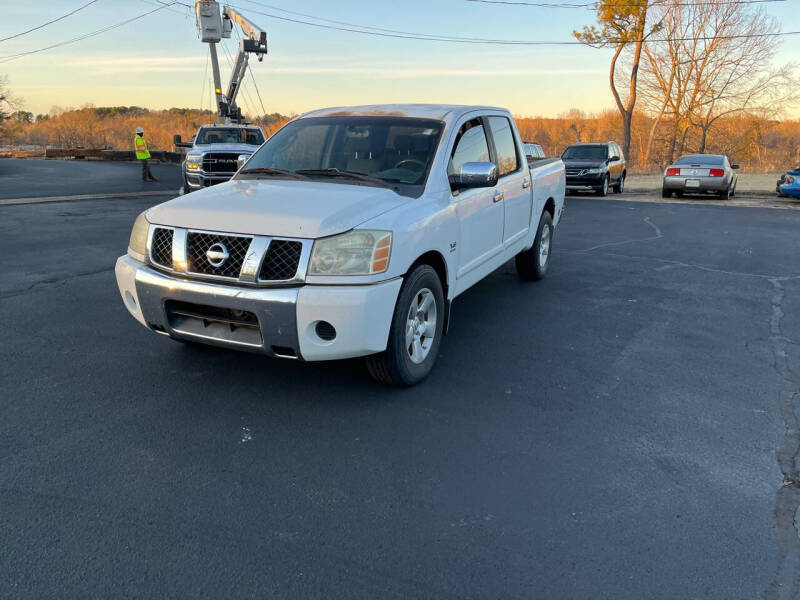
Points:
(215, 150)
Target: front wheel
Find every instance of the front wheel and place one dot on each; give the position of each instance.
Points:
(619, 187)
(532, 263)
(603, 190)
(415, 333)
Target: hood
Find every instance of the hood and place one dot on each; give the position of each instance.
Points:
(277, 207)
(582, 163)
(241, 148)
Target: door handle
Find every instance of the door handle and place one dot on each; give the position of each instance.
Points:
(499, 196)
(526, 183)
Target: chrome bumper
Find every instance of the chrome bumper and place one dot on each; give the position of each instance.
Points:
(146, 293)
(198, 179)
(279, 321)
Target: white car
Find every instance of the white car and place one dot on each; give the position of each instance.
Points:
(349, 233)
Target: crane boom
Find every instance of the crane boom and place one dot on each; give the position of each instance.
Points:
(213, 26)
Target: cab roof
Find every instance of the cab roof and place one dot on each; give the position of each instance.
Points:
(439, 112)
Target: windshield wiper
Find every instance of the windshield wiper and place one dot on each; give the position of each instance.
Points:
(271, 171)
(334, 172)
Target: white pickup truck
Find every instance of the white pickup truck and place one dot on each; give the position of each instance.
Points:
(349, 233)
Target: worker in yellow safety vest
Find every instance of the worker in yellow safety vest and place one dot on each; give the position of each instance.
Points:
(142, 154)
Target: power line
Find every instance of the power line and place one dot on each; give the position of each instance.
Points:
(593, 5)
(10, 57)
(43, 25)
(408, 35)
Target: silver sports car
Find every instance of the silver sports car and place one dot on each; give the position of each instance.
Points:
(700, 174)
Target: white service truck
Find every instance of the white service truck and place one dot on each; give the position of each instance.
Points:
(348, 233)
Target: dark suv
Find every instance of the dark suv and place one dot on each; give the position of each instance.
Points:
(595, 167)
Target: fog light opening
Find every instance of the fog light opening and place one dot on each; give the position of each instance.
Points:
(130, 301)
(325, 331)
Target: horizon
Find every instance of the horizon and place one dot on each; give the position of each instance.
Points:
(308, 67)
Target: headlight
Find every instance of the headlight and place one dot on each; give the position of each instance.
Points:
(357, 252)
(194, 161)
(593, 171)
(138, 241)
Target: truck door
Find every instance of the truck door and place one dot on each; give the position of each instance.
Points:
(514, 182)
(479, 211)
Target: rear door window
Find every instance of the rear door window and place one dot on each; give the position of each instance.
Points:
(506, 147)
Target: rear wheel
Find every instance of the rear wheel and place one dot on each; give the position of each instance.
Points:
(415, 333)
(725, 194)
(532, 263)
(665, 193)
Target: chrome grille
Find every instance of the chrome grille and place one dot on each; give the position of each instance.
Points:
(574, 172)
(218, 162)
(197, 245)
(281, 260)
(161, 247)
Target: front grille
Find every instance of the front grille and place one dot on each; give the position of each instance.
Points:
(161, 247)
(197, 244)
(218, 162)
(574, 172)
(281, 260)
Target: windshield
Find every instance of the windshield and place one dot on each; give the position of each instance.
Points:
(388, 150)
(230, 135)
(703, 159)
(586, 152)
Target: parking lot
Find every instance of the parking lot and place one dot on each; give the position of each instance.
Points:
(626, 428)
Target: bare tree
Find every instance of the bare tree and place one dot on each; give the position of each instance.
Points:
(713, 60)
(623, 24)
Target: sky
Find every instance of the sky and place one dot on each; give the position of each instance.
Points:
(159, 62)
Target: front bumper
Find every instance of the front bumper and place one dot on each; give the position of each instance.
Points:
(285, 319)
(585, 182)
(707, 184)
(196, 180)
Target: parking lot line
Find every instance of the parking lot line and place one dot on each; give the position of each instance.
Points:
(42, 199)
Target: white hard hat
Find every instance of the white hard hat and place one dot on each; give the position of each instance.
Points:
(139, 130)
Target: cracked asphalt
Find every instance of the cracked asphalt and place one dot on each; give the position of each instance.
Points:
(627, 428)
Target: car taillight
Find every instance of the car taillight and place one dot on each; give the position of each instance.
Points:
(716, 172)
(673, 172)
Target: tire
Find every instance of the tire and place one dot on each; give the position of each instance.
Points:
(396, 365)
(603, 191)
(619, 187)
(665, 193)
(532, 263)
(725, 194)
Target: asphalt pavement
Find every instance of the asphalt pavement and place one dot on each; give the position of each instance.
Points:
(24, 178)
(626, 428)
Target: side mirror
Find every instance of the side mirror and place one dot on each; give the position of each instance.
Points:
(613, 159)
(734, 166)
(176, 139)
(474, 175)
(240, 160)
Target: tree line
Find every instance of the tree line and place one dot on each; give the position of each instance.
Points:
(111, 127)
(754, 141)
